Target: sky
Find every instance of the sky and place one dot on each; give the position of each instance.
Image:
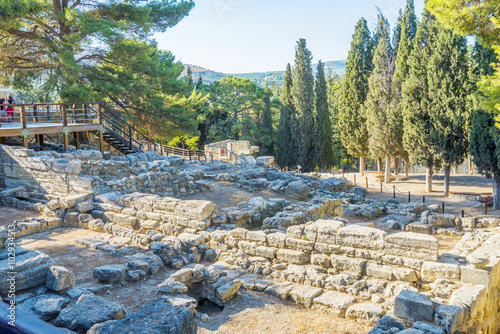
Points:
(239, 36)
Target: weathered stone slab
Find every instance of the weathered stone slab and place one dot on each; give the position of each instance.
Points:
(379, 271)
(281, 290)
(111, 273)
(334, 303)
(434, 270)
(412, 245)
(277, 240)
(292, 256)
(361, 237)
(413, 306)
(304, 295)
(449, 316)
(341, 263)
(365, 313)
(324, 231)
(471, 298)
(60, 278)
(195, 209)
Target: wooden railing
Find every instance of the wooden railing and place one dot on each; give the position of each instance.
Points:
(31, 115)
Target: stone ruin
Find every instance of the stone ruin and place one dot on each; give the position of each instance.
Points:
(319, 243)
(232, 150)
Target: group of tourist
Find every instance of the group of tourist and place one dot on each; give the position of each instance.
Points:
(6, 110)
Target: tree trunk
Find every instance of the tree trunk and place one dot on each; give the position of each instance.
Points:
(407, 167)
(428, 180)
(446, 191)
(387, 168)
(362, 165)
(396, 166)
(471, 166)
(496, 191)
(379, 165)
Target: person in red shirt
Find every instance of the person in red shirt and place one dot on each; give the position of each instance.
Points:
(10, 110)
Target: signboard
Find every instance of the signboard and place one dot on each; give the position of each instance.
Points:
(223, 153)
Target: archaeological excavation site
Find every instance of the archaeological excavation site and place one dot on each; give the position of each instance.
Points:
(150, 243)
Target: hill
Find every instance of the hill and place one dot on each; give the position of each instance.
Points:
(260, 78)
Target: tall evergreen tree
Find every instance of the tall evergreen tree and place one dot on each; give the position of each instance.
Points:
(485, 136)
(267, 142)
(417, 120)
(352, 119)
(448, 90)
(189, 76)
(199, 83)
(401, 72)
(323, 145)
(286, 155)
(303, 98)
(334, 82)
(380, 119)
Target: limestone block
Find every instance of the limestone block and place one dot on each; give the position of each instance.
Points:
(469, 222)
(471, 298)
(324, 231)
(412, 245)
(228, 290)
(113, 273)
(60, 278)
(472, 275)
(405, 274)
(277, 240)
(361, 237)
(248, 247)
(334, 303)
(297, 190)
(69, 202)
(441, 220)
(434, 270)
(292, 256)
(379, 271)
(267, 252)
(365, 313)
(195, 209)
(304, 295)
(199, 225)
(413, 306)
(428, 328)
(321, 260)
(342, 263)
(280, 290)
(191, 239)
(184, 276)
(418, 228)
(240, 233)
(295, 231)
(257, 236)
(167, 204)
(85, 206)
(122, 220)
(301, 245)
(326, 248)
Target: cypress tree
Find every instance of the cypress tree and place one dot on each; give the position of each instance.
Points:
(303, 98)
(448, 90)
(485, 136)
(352, 119)
(190, 77)
(380, 119)
(415, 104)
(287, 149)
(323, 145)
(267, 125)
(199, 83)
(404, 48)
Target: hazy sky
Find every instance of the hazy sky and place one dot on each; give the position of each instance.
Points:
(236, 36)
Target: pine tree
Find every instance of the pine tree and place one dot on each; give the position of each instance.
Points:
(189, 77)
(267, 147)
(286, 155)
(448, 90)
(303, 98)
(415, 104)
(404, 47)
(380, 119)
(199, 83)
(352, 120)
(485, 136)
(323, 144)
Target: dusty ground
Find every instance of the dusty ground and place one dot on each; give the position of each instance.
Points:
(8, 215)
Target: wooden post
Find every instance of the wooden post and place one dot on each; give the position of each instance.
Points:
(84, 107)
(65, 123)
(442, 207)
(485, 205)
(161, 148)
(75, 139)
(355, 180)
(381, 189)
(40, 140)
(23, 123)
(129, 137)
(423, 199)
(409, 197)
(393, 191)
(101, 137)
(366, 178)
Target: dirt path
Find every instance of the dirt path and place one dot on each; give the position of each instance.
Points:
(8, 215)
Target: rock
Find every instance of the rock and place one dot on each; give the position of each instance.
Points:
(112, 273)
(154, 261)
(411, 331)
(292, 256)
(304, 295)
(405, 274)
(191, 239)
(266, 162)
(32, 269)
(184, 275)
(434, 270)
(412, 245)
(158, 316)
(228, 291)
(281, 290)
(138, 265)
(88, 311)
(449, 316)
(471, 298)
(342, 263)
(86, 206)
(365, 313)
(76, 292)
(334, 303)
(195, 209)
(246, 160)
(170, 287)
(413, 306)
(45, 307)
(428, 328)
(60, 278)
(297, 190)
(379, 271)
(359, 191)
(361, 237)
(182, 301)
